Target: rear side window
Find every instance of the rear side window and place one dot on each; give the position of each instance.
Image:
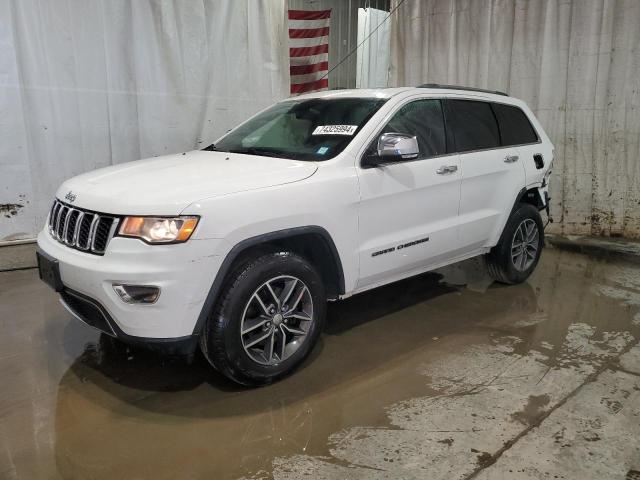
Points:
(515, 127)
(424, 119)
(474, 125)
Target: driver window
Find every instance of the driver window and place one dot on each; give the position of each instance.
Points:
(425, 120)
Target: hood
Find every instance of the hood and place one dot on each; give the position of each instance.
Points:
(167, 185)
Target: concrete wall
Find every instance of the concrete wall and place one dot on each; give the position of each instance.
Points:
(576, 63)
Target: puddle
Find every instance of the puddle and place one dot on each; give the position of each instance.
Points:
(427, 378)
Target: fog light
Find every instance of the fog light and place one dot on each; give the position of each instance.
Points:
(137, 293)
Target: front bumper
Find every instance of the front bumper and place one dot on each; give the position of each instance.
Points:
(90, 312)
(184, 273)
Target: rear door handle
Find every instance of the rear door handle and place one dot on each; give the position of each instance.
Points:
(444, 169)
(511, 158)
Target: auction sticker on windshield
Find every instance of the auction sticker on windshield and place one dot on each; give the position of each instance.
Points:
(335, 130)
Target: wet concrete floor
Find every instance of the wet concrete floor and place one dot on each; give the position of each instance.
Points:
(441, 376)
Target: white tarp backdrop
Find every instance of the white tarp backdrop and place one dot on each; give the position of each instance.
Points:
(372, 58)
(88, 83)
(577, 64)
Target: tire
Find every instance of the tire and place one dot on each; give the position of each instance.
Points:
(511, 269)
(245, 306)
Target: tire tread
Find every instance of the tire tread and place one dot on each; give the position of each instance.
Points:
(213, 335)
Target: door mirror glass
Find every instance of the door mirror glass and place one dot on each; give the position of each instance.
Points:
(397, 146)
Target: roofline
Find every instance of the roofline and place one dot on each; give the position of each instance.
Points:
(386, 92)
(458, 87)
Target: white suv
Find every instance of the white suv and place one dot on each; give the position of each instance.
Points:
(237, 247)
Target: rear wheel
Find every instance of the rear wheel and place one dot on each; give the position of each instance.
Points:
(516, 255)
(267, 320)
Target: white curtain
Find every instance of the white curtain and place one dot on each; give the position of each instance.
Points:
(89, 83)
(576, 63)
(373, 55)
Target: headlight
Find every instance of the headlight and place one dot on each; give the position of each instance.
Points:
(159, 229)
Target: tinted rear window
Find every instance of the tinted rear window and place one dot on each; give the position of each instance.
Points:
(515, 127)
(474, 125)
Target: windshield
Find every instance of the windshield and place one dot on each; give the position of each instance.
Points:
(315, 129)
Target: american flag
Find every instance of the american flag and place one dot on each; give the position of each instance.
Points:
(308, 50)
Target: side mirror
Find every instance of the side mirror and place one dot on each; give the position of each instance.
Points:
(393, 147)
(396, 145)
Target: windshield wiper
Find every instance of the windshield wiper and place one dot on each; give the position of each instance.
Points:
(210, 148)
(266, 152)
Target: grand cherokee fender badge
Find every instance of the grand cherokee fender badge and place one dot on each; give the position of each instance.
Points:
(400, 247)
(71, 197)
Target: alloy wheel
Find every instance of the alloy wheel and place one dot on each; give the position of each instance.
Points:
(276, 320)
(524, 246)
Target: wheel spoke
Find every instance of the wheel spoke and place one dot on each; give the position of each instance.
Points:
(268, 346)
(523, 261)
(283, 342)
(258, 340)
(252, 324)
(262, 305)
(294, 330)
(273, 294)
(299, 315)
(298, 298)
(287, 291)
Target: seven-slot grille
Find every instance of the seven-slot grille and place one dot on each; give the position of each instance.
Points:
(81, 229)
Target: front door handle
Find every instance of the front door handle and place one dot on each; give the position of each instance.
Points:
(444, 169)
(511, 158)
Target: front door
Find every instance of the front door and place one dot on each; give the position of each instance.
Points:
(408, 213)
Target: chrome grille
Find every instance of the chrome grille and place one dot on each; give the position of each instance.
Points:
(81, 229)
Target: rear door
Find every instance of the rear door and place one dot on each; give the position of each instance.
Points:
(517, 131)
(492, 174)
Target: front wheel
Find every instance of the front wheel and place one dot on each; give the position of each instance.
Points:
(268, 319)
(516, 255)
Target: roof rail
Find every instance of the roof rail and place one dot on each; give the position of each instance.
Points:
(457, 87)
